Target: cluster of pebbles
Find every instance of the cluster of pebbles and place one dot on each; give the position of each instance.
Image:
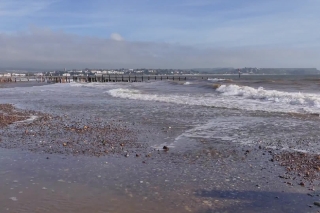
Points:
(9, 115)
(301, 167)
(89, 136)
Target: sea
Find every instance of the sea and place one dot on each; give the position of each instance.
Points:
(280, 112)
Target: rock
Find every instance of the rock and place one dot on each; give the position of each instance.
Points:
(126, 155)
(165, 148)
(47, 158)
(137, 155)
(301, 184)
(13, 198)
(187, 208)
(316, 203)
(64, 144)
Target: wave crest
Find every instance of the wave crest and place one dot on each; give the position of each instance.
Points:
(270, 95)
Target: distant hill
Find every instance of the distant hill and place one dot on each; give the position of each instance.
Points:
(257, 71)
(214, 70)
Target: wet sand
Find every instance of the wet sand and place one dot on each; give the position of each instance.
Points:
(83, 164)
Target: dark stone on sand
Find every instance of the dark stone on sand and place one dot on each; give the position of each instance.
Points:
(165, 148)
(317, 203)
(137, 155)
(301, 184)
(47, 157)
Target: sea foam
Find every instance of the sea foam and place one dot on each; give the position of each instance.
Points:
(302, 99)
(233, 97)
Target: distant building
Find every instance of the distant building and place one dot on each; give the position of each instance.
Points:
(18, 74)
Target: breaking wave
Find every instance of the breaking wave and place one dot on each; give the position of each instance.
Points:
(302, 99)
(234, 97)
(216, 79)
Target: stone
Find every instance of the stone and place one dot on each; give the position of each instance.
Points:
(316, 203)
(165, 148)
(13, 198)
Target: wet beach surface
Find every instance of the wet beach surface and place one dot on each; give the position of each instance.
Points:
(94, 156)
(207, 178)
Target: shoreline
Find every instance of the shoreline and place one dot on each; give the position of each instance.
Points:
(206, 177)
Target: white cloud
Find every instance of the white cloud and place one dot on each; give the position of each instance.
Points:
(116, 37)
(15, 8)
(43, 48)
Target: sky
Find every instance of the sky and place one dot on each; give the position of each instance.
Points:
(55, 34)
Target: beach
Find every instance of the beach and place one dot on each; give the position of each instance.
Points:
(218, 145)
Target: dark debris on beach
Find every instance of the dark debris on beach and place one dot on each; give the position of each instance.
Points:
(9, 115)
(303, 168)
(66, 135)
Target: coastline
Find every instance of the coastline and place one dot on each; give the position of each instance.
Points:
(202, 178)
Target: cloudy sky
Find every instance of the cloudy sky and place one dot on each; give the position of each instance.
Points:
(159, 33)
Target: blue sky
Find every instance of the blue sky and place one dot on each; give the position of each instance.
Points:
(202, 26)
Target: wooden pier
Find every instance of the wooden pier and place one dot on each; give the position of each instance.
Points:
(137, 78)
(104, 78)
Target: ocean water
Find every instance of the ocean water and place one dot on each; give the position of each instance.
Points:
(277, 112)
(250, 110)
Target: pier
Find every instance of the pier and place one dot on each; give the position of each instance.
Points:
(104, 78)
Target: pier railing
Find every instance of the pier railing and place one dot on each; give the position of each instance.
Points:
(104, 78)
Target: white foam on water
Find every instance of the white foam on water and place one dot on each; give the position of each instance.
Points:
(94, 84)
(29, 120)
(216, 79)
(234, 96)
(302, 99)
(225, 129)
(187, 83)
